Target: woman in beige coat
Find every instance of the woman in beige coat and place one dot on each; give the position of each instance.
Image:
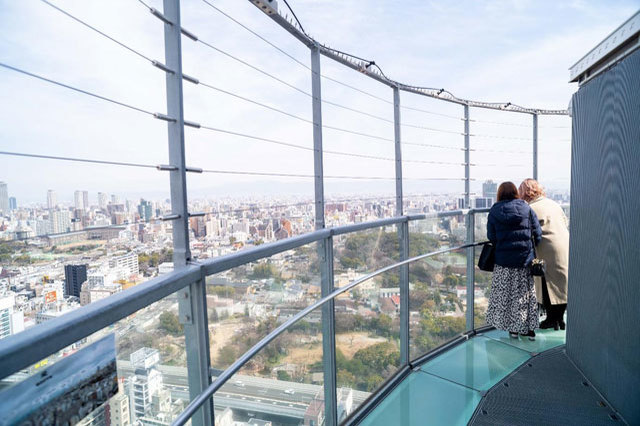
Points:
(553, 249)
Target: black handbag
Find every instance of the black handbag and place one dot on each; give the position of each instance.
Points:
(538, 266)
(487, 259)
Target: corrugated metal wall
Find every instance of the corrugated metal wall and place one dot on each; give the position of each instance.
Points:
(603, 326)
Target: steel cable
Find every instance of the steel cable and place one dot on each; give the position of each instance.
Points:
(75, 89)
(80, 160)
(97, 30)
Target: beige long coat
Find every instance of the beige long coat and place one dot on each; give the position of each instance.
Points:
(554, 249)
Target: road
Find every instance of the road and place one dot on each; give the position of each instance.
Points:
(248, 393)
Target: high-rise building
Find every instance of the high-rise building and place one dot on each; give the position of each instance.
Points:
(74, 276)
(13, 203)
(483, 203)
(4, 198)
(85, 200)
(145, 210)
(77, 200)
(114, 199)
(102, 201)
(490, 190)
(60, 221)
(52, 199)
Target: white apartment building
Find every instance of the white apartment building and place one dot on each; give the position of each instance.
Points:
(60, 221)
(127, 263)
(145, 383)
(11, 322)
(119, 410)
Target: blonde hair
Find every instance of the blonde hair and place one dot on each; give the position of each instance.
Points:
(530, 189)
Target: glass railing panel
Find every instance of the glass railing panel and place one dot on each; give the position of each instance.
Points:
(480, 230)
(362, 252)
(367, 341)
(437, 292)
(282, 383)
(245, 303)
(437, 302)
(135, 370)
(482, 282)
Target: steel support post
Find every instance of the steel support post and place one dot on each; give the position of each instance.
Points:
(325, 251)
(467, 159)
(404, 293)
(397, 139)
(471, 272)
(192, 302)
(403, 235)
(535, 146)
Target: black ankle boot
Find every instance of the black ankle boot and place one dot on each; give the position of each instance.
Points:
(549, 323)
(562, 325)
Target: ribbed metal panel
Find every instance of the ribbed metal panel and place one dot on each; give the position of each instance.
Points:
(603, 332)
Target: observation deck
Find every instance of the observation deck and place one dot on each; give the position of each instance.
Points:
(377, 321)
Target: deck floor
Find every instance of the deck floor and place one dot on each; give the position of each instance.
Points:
(547, 390)
(448, 389)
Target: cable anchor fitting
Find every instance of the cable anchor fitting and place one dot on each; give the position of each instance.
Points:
(162, 66)
(189, 34)
(163, 117)
(159, 15)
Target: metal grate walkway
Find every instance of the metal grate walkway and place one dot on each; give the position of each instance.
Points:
(546, 390)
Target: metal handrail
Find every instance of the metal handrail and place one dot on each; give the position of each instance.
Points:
(195, 404)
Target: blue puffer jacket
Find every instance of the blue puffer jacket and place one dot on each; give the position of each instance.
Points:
(509, 229)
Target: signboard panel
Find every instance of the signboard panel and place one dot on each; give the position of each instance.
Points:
(50, 297)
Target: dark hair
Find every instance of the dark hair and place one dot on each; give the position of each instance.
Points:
(507, 191)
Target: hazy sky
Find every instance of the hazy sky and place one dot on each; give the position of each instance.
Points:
(517, 51)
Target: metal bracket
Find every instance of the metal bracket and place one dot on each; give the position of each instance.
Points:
(159, 15)
(166, 168)
(189, 34)
(190, 79)
(164, 117)
(162, 66)
(186, 311)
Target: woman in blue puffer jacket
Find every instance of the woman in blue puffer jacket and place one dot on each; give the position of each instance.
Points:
(512, 303)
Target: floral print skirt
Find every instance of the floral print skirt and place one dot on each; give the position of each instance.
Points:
(512, 302)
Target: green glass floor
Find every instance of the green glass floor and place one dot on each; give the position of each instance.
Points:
(447, 389)
(545, 339)
(478, 363)
(423, 399)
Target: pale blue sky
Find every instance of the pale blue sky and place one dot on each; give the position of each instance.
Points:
(516, 51)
